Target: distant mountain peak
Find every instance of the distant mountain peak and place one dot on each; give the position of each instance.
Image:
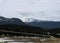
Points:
(16, 21)
(31, 20)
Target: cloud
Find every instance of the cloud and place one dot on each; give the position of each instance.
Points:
(40, 9)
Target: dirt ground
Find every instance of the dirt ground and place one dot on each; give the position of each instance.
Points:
(19, 39)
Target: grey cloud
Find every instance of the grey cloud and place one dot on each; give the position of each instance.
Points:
(40, 9)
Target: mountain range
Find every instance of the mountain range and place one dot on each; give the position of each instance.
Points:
(30, 22)
(15, 21)
(43, 24)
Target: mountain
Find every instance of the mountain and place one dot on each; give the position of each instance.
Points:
(43, 24)
(15, 21)
(30, 22)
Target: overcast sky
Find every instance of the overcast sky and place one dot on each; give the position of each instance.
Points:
(38, 9)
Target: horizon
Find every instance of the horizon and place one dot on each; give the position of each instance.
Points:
(30, 19)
